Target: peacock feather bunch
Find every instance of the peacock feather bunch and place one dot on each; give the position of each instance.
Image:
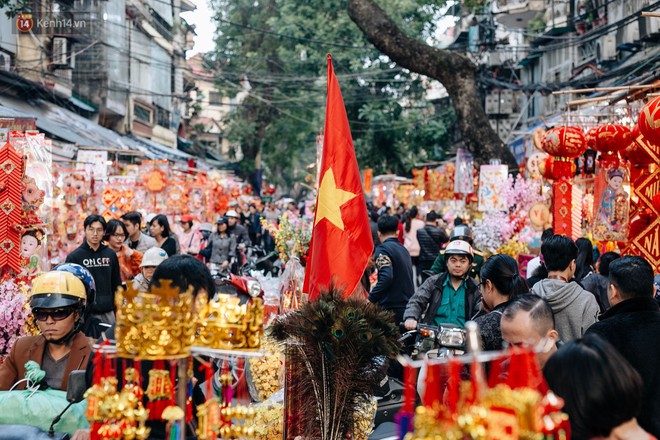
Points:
(339, 348)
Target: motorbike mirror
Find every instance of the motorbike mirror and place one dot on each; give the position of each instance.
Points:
(76, 387)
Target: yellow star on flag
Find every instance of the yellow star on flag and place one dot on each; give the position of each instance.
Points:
(330, 200)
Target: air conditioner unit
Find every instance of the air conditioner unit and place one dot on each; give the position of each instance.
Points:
(5, 61)
(606, 48)
(60, 47)
(649, 27)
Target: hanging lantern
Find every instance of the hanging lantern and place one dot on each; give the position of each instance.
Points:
(610, 139)
(565, 144)
(649, 120)
(590, 137)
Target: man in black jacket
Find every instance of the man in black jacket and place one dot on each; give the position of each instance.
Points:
(395, 277)
(102, 263)
(447, 298)
(430, 238)
(632, 325)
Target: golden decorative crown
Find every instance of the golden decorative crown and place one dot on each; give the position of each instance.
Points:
(226, 324)
(154, 325)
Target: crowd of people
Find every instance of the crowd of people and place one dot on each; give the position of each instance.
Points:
(592, 321)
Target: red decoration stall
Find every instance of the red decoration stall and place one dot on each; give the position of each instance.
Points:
(565, 144)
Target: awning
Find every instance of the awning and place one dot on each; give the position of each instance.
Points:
(162, 150)
(68, 126)
(23, 109)
(82, 105)
(529, 58)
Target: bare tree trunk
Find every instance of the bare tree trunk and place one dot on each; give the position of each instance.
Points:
(455, 71)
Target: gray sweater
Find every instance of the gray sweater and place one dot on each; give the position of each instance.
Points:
(575, 309)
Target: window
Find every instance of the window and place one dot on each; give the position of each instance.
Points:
(143, 114)
(163, 117)
(215, 98)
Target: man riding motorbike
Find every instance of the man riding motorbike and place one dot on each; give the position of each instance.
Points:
(58, 300)
(451, 297)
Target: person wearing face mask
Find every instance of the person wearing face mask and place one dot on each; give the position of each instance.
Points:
(205, 229)
(58, 301)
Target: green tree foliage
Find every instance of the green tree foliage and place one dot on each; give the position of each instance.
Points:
(280, 48)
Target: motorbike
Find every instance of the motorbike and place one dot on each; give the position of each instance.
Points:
(260, 260)
(435, 341)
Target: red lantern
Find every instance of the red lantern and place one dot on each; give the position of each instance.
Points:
(590, 137)
(649, 120)
(612, 138)
(545, 167)
(565, 141)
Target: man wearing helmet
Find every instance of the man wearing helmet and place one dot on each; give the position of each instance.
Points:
(447, 298)
(460, 232)
(58, 303)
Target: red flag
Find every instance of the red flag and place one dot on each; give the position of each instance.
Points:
(341, 240)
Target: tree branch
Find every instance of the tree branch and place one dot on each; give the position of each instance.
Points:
(455, 71)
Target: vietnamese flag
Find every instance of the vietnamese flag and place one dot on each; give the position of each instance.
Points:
(341, 240)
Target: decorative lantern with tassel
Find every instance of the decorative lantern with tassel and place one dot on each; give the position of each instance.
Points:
(565, 144)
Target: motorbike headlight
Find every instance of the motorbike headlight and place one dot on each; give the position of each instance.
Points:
(452, 338)
(254, 288)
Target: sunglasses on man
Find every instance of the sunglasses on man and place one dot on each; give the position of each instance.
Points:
(56, 314)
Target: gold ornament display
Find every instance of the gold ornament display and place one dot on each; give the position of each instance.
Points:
(118, 415)
(268, 421)
(154, 325)
(209, 424)
(226, 324)
(160, 385)
(268, 371)
(502, 413)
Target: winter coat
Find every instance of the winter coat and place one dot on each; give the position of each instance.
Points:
(395, 280)
(241, 234)
(597, 284)
(489, 328)
(632, 327)
(428, 297)
(430, 238)
(574, 308)
(220, 248)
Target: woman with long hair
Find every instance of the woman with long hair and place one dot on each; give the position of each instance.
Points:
(129, 259)
(500, 283)
(412, 223)
(601, 390)
(159, 229)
